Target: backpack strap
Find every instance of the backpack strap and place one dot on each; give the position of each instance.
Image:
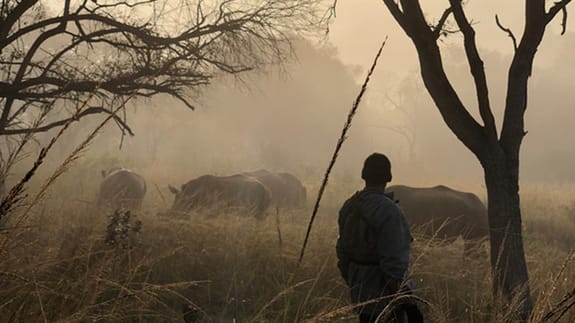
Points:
(356, 200)
(355, 211)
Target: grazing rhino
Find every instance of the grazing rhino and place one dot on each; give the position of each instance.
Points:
(287, 190)
(121, 188)
(236, 193)
(295, 193)
(444, 213)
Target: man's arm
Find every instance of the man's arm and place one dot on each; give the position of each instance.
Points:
(393, 242)
(342, 259)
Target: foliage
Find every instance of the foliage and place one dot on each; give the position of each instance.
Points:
(53, 58)
(122, 227)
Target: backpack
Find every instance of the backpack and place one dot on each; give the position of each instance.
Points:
(358, 238)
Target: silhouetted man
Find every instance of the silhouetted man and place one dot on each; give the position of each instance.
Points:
(373, 247)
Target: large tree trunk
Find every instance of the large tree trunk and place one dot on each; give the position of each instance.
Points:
(509, 269)
(499, 155)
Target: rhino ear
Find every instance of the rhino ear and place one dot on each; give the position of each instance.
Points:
(173, 189)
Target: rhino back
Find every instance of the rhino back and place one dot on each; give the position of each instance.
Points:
(236, 191)
(442, 211)
(122, 187)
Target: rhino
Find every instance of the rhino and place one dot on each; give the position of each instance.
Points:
(287, 190)
(444, 214)
(295, 193)
(215, 194)
(121, 188)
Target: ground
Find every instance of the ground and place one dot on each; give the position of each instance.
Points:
(66, 266)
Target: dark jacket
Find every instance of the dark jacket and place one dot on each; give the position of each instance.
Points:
(382, 276)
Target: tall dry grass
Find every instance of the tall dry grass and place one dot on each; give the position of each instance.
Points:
(231, 268)
(60, 265)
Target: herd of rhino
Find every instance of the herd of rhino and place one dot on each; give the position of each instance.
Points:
(438, 212)
(249, 193)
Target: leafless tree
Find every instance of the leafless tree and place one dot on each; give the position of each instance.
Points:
(407, 129)
(54, 59)
(497, 151)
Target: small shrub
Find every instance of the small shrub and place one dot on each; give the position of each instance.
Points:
(122, 228)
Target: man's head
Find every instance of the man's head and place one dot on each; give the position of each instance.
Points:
(376, 170)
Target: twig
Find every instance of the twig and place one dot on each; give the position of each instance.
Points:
(559, 6)
(329, 15)
(92, 110)
(564, 21)
(438, 29)
(507, 30)
(338, 148)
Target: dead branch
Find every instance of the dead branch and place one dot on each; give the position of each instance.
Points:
(564, 21)
(439, 27)
(554, 10)
(508, 31)
(88, 111)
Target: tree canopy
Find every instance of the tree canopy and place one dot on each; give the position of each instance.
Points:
(87, 54)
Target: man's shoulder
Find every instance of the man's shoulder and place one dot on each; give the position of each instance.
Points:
(348, 203)
(350, 199)
(380, 207)
(377, 197)
(370, 199)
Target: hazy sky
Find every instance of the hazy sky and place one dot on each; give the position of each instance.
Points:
(292, 122)
(360, 26)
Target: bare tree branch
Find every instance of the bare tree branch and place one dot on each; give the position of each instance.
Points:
(513, 128)
(13, 16)
(564, 21)
(396, 13)
(123, 4)
(438, 29)
(105, 48)
(477, 68)
(508, 31)
(554, 10)
(537, 19)
(460, 121)
(77, 117)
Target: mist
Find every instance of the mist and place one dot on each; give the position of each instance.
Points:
(288, 117)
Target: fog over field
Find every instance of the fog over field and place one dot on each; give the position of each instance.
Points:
(289, 117)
